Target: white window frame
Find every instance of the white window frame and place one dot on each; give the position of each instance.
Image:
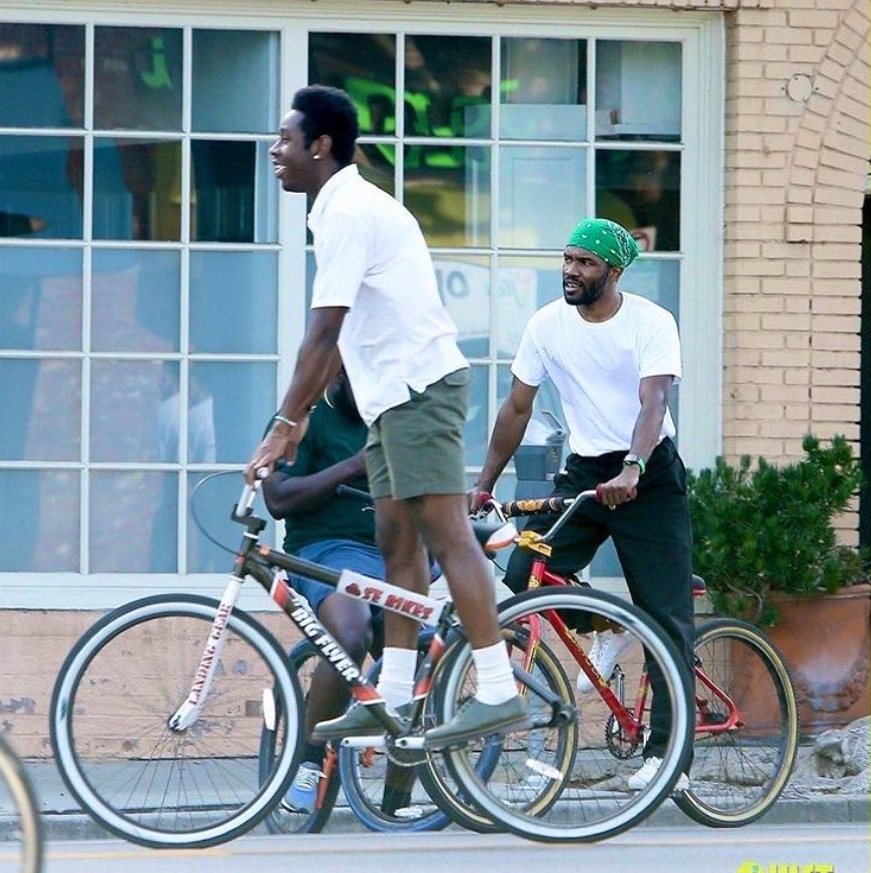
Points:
(702, 36)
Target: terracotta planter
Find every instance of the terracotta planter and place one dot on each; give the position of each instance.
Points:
(826, 639)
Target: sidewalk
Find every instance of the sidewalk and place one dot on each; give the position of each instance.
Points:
(807, 798)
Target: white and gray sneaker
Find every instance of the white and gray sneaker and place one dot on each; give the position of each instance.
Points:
(643, 777)
(606, 649)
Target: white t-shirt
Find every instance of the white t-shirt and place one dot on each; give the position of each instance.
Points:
(597, 367)
(372, 258)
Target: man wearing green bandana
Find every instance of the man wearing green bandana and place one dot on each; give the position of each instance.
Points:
(613, 358)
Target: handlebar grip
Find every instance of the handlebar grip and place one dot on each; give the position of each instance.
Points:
(515, 508)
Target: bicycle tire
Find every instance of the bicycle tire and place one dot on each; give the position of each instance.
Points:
(20, 828)
(536, 795)
(737, 776)
(304, 657)
(156, 787)
(592, 803)
(365, 773)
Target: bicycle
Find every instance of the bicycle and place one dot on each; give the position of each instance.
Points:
(741, 762)
(21, 844)
(187, 682)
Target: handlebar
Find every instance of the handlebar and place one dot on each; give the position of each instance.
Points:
(537, 506)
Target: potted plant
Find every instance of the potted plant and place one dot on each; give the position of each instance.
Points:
(766, 545)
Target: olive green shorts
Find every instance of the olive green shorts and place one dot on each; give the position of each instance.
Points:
(417, 448)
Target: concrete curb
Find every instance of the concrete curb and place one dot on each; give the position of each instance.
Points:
(74, 825)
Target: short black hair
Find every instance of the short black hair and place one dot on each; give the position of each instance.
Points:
(330, 111)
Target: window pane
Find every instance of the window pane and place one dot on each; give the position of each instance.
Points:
(544, 89)
(638, 90)
(211, 503)
(641, 191)
(133, 522)
(464, 286)
(40, 186)
(364, 65)
(137, 78)
(377, 163)
(448, 191)
(476, 432)
(41, 298)
(542, 195)
(656, 279)
(137, 192)
(42, 74)
(135, 300)
(125, 399)
(234, 302)
(235, 80)
(243, 397)
(448, 82)
(235, 195)
(39, 521)
(524, 285)
(41, 403)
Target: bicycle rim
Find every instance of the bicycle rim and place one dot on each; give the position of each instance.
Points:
(368, 780)
(737, 775)
(143, 781)
(593, 800)
(553, 747)
(304, 658)
(20, 832)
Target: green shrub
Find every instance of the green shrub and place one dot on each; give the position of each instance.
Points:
(766, 528)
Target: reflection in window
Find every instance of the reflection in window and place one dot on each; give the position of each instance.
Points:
(33, 392)
(137, 194)
(137, 78)
(240, 393)
(638, 90)
(39, 521)
(448, 191)
(364, 65)
(125, 399)
(42, 75)
(448, 83)
(40, 186)
(134, 522)
(235, 195)
(232, 307)
(41, 299)
(544, 89)
(135, 300)
(542, 195)
(641, 191)
(235, 80)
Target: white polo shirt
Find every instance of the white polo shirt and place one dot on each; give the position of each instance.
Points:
(597, 367)
(372, 258)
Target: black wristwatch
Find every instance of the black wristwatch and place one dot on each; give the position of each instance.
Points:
(632, 460)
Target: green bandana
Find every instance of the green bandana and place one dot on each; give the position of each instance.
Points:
(607, 239)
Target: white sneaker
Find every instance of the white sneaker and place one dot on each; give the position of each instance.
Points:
(606, 649)
(644, 776)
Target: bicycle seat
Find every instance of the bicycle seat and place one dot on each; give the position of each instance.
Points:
(493, 536)
(700, 587)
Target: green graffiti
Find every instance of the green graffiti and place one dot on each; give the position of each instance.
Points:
(158, 76)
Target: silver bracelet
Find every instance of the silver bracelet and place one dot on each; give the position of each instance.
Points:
(284, 420)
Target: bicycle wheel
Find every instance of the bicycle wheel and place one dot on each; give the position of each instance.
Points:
(554, 747)
(746, 726)
(304, 658)
(119, 686)
(20, 831)
(372, 783)
(591, 798)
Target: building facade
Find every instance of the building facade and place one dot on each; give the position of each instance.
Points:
(153, 281)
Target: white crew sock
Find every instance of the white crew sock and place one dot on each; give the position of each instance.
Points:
(496, 682)
(396, 682)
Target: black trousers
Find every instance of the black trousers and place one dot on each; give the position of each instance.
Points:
(653, 541)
